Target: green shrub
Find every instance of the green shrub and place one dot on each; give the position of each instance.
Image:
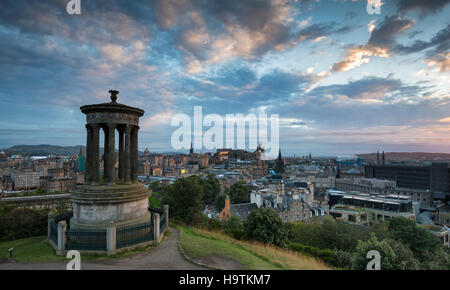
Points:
(265, 225)
(343, 259)
(326, 255)
(328, 234)
(233, 227)
(209, 224)
(16, 223)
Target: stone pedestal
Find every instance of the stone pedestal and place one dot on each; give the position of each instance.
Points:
(95, 207)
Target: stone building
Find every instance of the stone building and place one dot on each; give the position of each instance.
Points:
(443, 215)
(386, 187)
(58, 184)
(27, 180)
(362, 208)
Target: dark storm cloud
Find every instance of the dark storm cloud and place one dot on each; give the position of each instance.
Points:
(423, 6)
(101, 21)
(440, 43)
(370, 87)
(384, 35)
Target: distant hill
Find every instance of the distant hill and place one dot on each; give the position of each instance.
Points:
(408, 156)
(43, 150)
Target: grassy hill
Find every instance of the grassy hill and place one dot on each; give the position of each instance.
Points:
(217, 249)
(43, 150)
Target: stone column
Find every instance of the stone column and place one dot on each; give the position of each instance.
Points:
(62, 226)
(111, 238)
(95, 153)
(88, 159)
(156, 234)
(110, 150)
(51, 218)
(134, 154)
(127, 158)
(105, 152)
(121, 153)
(166, 212)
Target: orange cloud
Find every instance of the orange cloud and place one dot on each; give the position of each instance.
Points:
(441, 62)
(357, 56)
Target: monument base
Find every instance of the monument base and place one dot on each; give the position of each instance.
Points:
(96, 206)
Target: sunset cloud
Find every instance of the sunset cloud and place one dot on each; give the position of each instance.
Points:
(339, 78)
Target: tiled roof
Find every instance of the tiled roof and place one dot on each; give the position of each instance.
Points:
(242, 210)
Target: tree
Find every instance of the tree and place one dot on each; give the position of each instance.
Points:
(393, 255)
(328, 234)
(404, 256)
(184, 198)
(219, 204)
(387, 255)
(265, 225)
(421, 242)
(239, 192)
(211, 188)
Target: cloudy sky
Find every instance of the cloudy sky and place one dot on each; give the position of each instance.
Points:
(342, 80)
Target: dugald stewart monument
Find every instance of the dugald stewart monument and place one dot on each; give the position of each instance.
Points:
(117, 197)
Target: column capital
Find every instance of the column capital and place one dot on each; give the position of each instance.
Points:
(111, 125)
(127, 128)
(94, 125)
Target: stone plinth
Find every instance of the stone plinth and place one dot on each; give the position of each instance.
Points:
(96, 206)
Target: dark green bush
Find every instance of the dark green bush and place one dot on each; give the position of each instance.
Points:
(209, 224)
(16, 223)
(326, 255)
(265, 225)
(233, 227)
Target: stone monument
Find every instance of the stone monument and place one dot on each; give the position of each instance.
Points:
(117, 197)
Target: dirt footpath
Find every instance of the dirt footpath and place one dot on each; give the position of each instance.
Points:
(164, 257)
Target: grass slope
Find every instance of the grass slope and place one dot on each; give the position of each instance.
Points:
(37, 249)
(199, 243)
(28, 250)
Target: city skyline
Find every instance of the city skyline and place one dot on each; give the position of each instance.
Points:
(342, 80)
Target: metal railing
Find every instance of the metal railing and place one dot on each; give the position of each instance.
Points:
(162, 223)
(132, 235)
(88, 240)
(54, 232)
